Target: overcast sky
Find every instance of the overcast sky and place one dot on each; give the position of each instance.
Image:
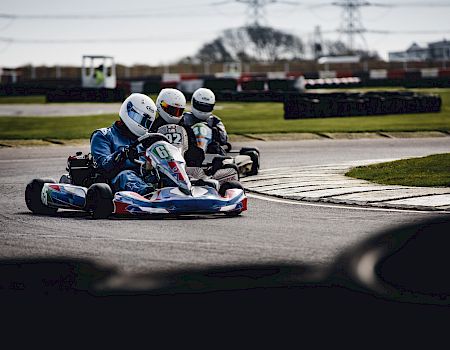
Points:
(157, 32)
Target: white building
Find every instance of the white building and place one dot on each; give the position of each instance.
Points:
(439, 50)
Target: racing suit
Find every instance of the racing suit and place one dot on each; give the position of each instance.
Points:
(194, 156)
(220, 136)
(107, 147)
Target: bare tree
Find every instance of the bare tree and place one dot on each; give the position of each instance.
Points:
(335, 48)
(214, 51)
(252, 43)
(272, 45)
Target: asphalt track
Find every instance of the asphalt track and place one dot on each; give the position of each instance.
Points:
(271, 231)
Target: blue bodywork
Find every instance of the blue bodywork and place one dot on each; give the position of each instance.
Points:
(170, 200)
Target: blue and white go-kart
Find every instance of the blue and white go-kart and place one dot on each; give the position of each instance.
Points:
(182, 196)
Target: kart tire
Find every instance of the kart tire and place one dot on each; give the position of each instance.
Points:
(243, 150)
(233, 213)
(65, 179)
(33, 197)
(254, 156)
(229, 185)
(231, 166)
(99, 201)
(227, 147)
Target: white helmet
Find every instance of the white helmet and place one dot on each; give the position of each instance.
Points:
(138, 112)
(203, 101)
(171, 104)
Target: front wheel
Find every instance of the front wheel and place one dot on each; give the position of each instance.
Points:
(33, 199)
(99, 201)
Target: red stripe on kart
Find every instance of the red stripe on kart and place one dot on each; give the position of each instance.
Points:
(120, 208)
(55, 187)
(244, 204)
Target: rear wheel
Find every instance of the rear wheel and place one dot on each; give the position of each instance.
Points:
(99, 201)
(33, 197)
(231, 166)
(247, 149)
(254, 156)
(229, 185)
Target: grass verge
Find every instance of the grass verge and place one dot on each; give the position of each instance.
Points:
(240, 118)
(431, 171)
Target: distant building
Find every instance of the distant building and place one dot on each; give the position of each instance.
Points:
(439, 51)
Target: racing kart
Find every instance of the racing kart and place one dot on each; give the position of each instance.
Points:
(84, 188)
(246, 160)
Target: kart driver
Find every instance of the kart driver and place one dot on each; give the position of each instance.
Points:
(110, 147)
(202, 105)
(170, 105)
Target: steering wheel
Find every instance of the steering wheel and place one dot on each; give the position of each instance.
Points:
(147, 140)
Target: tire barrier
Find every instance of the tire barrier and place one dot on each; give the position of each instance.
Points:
(221, 84)
(281, 85)
(151, 87)
(443, 82)
(251, 96)
(38, 87)
(80, 94)
(308, 105)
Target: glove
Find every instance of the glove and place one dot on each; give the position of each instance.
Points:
(125, 153)
(214, 121)
(215, 134)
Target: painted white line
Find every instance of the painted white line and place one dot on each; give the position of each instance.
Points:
(290, 201)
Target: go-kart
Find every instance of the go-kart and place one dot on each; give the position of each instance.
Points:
(84, 188)
(246, 160)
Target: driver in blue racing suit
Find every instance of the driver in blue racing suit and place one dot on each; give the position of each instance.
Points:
(112, 151)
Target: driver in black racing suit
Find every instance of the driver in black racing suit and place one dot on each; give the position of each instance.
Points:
(202, 105)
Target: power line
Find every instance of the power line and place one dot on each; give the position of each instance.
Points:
(139, 13)
(256, 8)
(9, 40)
(351, 21)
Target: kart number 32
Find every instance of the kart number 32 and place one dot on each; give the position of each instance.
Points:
(174, 138)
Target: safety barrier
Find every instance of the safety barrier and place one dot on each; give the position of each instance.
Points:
(36, 87)
(299, 106)
(237, 87)
(87, 95)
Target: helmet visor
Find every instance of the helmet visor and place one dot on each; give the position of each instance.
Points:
(172, 110)
(202, 107)
(143, 119)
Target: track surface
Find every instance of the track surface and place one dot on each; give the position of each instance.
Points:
(270, 231)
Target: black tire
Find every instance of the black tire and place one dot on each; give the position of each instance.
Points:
(65, 179)
(233, 213)
(99, 201)
(254, 156)
(33, 197)
(243, 150)
(229, 185)
(227, 147)
(231, 166)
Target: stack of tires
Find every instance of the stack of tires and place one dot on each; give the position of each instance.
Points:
(79, 94)
(297, 106)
